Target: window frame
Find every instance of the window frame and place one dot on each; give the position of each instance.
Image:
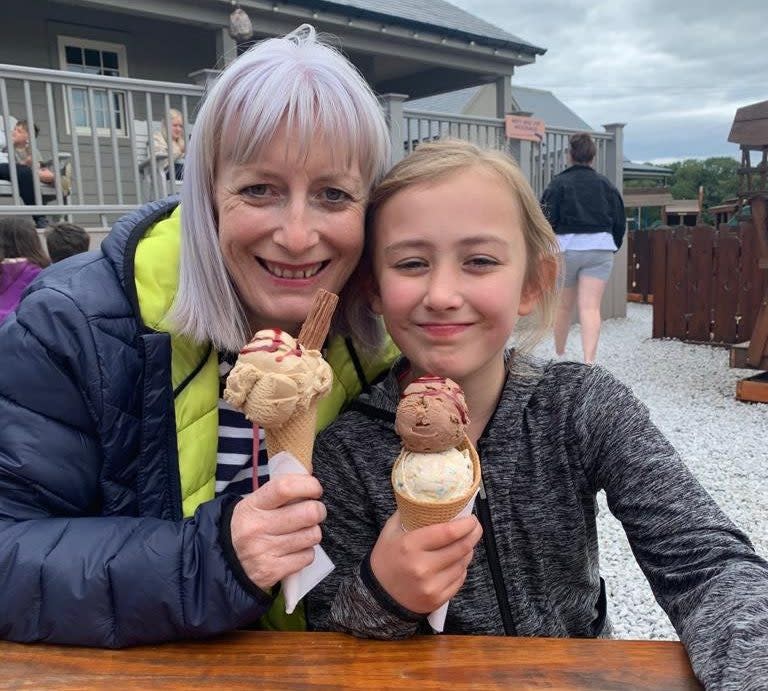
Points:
(65, 41)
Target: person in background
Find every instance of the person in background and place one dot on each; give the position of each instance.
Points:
(22, 257)
(66, 239)
(457, 250)
(22, 149)
(128, 507)
(178, 144)
(587, 214)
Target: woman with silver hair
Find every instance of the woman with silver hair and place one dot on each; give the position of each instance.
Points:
(126, 510)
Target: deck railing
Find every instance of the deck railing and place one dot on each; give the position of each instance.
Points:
(103, 126)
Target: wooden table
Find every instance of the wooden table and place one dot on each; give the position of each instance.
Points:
(265, 660)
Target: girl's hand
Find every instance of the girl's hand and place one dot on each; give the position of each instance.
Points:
(275, 529)
(424, 568)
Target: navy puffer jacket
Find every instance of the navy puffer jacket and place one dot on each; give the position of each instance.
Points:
(93, 546)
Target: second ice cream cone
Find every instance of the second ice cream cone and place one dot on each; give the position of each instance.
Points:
(417, 514)
(296, 436)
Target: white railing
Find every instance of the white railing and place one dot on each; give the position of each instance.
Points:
(102, 127)
(105, 124)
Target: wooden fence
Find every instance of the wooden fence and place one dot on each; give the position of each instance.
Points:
(639, 262)
(706, 283)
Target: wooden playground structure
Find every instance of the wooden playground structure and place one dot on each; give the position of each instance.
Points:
(750, 132)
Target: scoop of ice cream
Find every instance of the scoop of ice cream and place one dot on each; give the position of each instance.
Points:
(433, 477)
(432, 415)
(274, 377)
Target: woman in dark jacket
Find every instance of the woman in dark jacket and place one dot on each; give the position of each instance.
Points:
(587, 214)
(120, 522)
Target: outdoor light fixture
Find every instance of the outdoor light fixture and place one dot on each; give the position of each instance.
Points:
(240, 26)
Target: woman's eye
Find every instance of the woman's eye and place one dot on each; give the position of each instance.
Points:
(256, 191)
(335, 195)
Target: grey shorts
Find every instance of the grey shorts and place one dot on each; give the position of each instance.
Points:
(592, 263)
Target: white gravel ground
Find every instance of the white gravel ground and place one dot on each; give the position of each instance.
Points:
(690, 391)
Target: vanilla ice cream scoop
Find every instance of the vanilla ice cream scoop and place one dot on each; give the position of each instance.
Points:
(274, 377)
(432, 415)
(433, 477)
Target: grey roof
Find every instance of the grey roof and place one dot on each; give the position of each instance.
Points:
(547, 107)
(431, 14)
(542, 104)
(453, 102)
(629, 166)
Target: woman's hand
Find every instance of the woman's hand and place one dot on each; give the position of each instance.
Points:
(424, 568)
(275, 528)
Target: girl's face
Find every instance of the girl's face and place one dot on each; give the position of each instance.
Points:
(449, 263)
(288, 225)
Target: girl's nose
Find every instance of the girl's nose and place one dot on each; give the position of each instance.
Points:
(443, 291)
(295, 232)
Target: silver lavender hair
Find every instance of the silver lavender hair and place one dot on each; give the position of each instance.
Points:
(313, 88)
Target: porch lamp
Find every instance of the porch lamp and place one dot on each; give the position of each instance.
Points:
(240, 25)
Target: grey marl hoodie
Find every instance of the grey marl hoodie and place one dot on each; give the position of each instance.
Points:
(561, 433)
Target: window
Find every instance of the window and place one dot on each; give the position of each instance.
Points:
(95, 57)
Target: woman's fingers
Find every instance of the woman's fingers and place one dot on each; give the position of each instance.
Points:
(285, 490)
(274, 529)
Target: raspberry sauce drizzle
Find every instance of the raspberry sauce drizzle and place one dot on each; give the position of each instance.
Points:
(273, 347)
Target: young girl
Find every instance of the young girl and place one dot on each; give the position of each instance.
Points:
(22, 257)
(458, 249)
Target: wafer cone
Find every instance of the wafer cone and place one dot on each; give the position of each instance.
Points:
(417, 514)
(297, 436)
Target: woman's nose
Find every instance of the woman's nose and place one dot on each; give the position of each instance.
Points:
(443, 291)
(295, 233)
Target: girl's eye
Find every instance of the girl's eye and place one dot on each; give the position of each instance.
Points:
(482, 262)
(411, 264)
(335, 195)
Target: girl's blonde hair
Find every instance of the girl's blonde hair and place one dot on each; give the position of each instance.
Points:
(436, 161)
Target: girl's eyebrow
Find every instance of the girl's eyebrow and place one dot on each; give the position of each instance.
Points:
(418, 243)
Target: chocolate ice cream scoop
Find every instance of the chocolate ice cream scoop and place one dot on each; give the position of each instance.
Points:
(432, 415)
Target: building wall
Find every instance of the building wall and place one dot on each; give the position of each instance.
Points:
(153, 50)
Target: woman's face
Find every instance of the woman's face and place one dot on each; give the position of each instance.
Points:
(289, 224)
(177, 128)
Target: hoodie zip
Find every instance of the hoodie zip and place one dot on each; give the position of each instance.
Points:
(491, 551)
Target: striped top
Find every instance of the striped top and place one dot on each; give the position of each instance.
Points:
(234, 453)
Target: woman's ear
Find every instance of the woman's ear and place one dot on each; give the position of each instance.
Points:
(539, 283)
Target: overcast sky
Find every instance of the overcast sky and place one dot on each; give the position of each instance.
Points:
(674, 71)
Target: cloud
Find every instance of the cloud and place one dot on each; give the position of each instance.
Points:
(675, 72)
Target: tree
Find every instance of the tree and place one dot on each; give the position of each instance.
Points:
(718, 176)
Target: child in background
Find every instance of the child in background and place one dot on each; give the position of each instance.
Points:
(22, 147)
(458, 249)
(21, 258)
(66, 239)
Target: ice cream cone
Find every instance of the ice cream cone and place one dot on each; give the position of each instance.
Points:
(296, 436)
(417, 514)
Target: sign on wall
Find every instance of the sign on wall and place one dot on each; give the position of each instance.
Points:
(524, 127)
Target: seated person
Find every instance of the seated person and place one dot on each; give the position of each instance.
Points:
(23, 157)
(457, 249)
(160, 142)
(66, 239)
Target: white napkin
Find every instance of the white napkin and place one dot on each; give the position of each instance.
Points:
(437, 618)
(297, 585)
